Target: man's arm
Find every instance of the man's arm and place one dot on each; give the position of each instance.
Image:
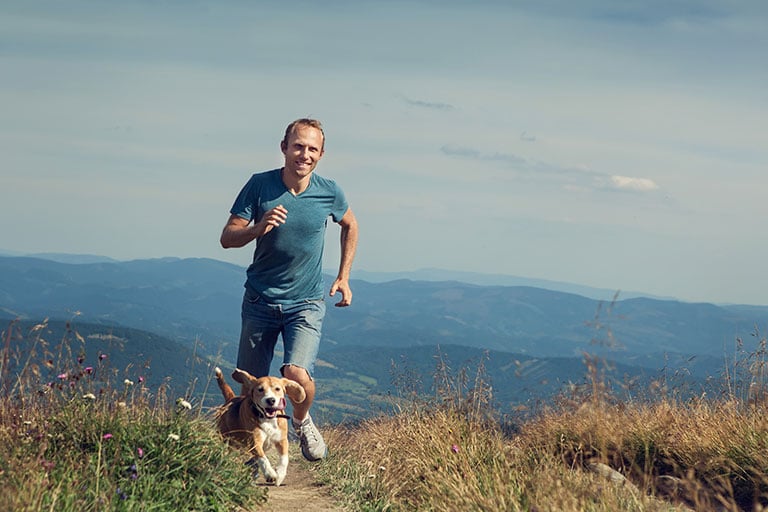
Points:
(239, 232)
(349, 230)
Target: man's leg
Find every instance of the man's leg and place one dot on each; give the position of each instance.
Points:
(258, 336)
(301, 339)
(300, 375)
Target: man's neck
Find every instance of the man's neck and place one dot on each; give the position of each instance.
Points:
(294, 185)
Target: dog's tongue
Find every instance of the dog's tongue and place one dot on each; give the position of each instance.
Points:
(280, 405)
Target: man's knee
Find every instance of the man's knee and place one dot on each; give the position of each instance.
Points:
(296, 373)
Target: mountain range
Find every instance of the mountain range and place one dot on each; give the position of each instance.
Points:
(532, 338)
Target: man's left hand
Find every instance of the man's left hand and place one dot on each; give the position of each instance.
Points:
(342, 285)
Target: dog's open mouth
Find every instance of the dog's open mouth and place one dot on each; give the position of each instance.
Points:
(271, 412)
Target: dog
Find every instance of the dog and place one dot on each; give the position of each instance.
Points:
(256, 420)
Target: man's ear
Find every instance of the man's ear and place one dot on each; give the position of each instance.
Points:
(283, 146)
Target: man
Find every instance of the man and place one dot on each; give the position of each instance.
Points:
(286, 211)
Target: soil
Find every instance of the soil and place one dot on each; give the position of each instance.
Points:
(300, 491)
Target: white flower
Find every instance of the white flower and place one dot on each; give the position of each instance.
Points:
(173, 437)
(184, 404)
(128, 382)
(89, 396)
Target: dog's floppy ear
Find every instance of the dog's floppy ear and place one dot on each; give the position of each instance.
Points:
(294, 390)
(242, 376)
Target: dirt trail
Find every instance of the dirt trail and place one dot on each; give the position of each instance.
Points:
(300, 491)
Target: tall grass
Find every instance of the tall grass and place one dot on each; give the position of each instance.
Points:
(588, 450)
(72, 438)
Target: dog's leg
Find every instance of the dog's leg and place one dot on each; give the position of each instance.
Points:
(282, 463)
(226, 390)
(261, 459)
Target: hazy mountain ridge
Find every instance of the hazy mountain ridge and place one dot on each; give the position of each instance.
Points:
(535, 338)
(188, 299)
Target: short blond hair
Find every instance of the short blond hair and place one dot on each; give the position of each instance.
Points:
(304, 121)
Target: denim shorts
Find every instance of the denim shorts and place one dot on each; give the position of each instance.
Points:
(299, 325)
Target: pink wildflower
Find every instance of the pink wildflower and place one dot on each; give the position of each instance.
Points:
(455, 448)
(88, 369)
(106, 436)
(140, 452)
(62, 376)
(102, 357)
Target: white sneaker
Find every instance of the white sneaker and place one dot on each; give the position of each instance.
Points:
(312, 444)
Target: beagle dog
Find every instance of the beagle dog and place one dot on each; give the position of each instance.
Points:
(256, 419)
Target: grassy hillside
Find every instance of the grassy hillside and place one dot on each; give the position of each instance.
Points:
(85, 443)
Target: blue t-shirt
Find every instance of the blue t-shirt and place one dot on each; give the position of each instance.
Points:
(287, 261)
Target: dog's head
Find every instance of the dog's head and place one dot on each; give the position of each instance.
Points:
(268, 393)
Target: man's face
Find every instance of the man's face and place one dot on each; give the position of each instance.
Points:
(303, 150)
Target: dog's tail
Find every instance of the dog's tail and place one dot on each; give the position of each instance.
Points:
(226, 390)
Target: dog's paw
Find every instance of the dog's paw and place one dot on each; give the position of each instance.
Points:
(280, 476)
(217, 371)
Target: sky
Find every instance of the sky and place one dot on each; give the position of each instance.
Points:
(609, 143)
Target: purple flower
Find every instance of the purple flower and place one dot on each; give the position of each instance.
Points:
(62, 376)
(106, 436)
(140, 452)
(141, 379)
(89, 369)
(102, 357)
(455, 448)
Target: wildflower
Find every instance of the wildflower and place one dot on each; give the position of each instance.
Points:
(89, 396)
(128, 382)
(122, 405)
(141, 379)
(173, 437)
(88, 370)
(455, 448)
(140, 452)
(183, 404)
(107, 437)
(80, 359)
(102, 357)
(62, 376)
(122, 494)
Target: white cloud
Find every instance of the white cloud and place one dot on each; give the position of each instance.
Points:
(633, 184)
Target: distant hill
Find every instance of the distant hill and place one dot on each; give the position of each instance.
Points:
(436, 274)
(198, 300)
(167, 312)
(115, 353)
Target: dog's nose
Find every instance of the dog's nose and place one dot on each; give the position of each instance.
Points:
(270, 401)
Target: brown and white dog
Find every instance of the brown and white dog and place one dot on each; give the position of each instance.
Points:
(256, 420)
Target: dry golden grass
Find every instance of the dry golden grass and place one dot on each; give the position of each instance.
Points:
(451, 453)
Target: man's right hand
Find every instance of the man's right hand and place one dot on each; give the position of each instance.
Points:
(239, 232)
(270, 220)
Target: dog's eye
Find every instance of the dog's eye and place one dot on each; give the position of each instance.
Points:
(261, 389)
(277, 388)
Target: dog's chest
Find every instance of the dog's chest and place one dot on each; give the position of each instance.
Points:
(272, 431)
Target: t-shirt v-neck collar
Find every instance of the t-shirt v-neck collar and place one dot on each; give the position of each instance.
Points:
(280, 177)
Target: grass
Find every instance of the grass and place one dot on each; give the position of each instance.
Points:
(451, 452)
(71, 440)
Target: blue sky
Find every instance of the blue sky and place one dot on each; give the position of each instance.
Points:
(616, 144)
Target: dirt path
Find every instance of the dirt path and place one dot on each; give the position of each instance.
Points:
(300, 492)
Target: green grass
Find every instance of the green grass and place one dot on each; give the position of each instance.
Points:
(69, 442)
